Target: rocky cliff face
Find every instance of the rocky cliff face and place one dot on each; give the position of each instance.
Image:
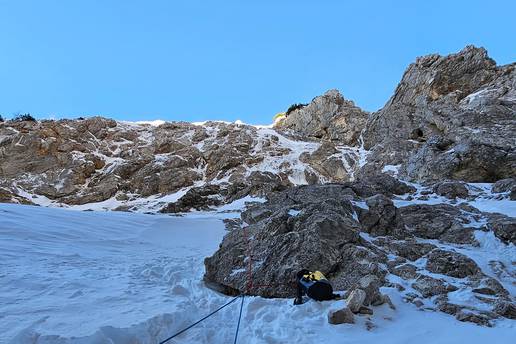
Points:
(451, 117)
(75, 162)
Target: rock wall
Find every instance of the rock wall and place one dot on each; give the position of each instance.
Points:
(75, 162)
(451, 117)
(352, 238)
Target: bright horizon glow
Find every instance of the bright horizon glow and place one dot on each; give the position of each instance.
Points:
(198, 61)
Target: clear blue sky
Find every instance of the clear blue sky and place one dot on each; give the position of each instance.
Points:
(197, 60)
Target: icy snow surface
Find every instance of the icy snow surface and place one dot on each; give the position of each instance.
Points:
(107, 277)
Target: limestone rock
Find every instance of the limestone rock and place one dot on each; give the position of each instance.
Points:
(356, 300)
(504, 227)
(429, 286)
(322, 235)
(201, 198)
(341, 316)
(329, 117)
(372, 184)
(382, 217)
(405, 271)
(506, 186)
(474, 318)
(506, 309)
(432, 221)
(451, 117)
(409, 249)
(327, 162)
(451, 263)
(7, 196)
(451, 189)
(371, 285)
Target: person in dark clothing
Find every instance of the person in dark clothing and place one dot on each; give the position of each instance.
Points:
(315, 286)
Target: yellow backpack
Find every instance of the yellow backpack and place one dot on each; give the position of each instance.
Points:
(314, 276)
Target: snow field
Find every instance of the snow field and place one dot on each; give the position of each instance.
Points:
(107, 277)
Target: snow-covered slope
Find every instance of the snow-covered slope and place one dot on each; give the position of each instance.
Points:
(96, 277)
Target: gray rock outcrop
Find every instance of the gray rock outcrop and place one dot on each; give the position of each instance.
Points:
(451, 117)
(451, 264)
(329, 117)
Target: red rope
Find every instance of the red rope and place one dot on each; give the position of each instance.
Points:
(250, 281)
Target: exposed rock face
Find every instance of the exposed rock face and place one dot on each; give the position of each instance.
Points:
(429, 286)
(451, 189)
(315, 227)
(326, 161)
(316, 231)
(8, 196)
(506, 186)
(506, 309)
(451, 117)
(474, 318)
(329, 117)
(433, 221)
(504, 227)
(85, 161)
(451, 264)
(408, 249)
(380, 183)
(382, 217)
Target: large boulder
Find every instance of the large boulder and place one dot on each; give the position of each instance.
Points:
(355, 300)
(316, 232)
(341, 316)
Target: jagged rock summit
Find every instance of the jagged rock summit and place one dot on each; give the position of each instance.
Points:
(451, 117)
(329, 117)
